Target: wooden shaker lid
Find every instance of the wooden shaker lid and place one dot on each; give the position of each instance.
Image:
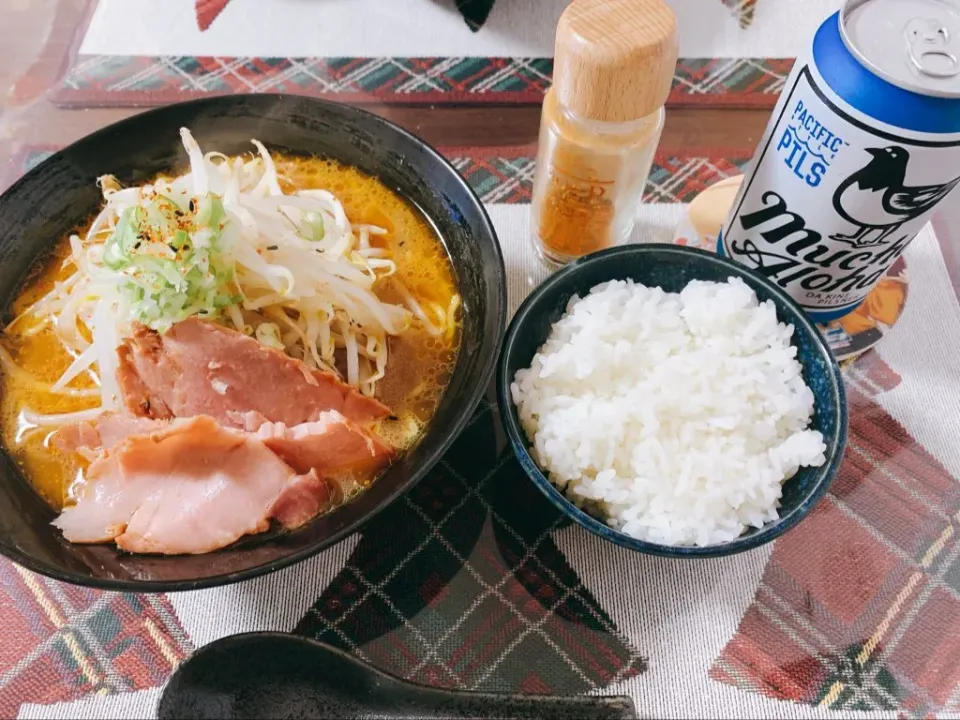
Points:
(615, 59)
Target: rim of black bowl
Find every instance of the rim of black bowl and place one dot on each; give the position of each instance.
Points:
(473, 399)
(520, 444)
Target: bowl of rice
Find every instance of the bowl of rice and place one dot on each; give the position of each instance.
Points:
(672, 401)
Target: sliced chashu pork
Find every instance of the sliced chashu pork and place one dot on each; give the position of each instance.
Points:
(200, 368)
(332, 445)
(302, 499)
(107, 431)
(192, 487)
(331, 448)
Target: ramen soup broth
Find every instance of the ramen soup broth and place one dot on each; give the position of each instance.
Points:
(417, 373)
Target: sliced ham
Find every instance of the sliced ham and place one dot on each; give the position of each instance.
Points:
(333, 446)
(106, 504)
(104, 433)
(250, 421)
(142, 368)
(114, 428)
(303, 498)
(200, 368)
(225, 435)
(192, 487)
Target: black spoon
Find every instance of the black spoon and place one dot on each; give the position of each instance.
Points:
(274, 675)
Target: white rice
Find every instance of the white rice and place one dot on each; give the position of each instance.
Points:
(676, 417)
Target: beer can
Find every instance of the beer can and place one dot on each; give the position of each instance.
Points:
(863, 144)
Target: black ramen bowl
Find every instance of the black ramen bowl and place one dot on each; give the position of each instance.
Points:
(671, 267)
(61, 193)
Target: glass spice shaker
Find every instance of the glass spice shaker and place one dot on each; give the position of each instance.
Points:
(602, 119)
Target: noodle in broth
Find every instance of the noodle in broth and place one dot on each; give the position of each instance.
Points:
(420, 364)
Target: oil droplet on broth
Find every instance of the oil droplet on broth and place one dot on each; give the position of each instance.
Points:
(422, 266)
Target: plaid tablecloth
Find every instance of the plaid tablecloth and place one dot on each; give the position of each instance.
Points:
(473, 581)
(733, 52)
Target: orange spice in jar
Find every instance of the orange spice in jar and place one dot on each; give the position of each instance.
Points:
(602, 119)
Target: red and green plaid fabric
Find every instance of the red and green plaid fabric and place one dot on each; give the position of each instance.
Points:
(208, 10)
(62, 642)
(744, 9)
(859, 606)
(125, 80)
(505, 175)
(460, 584)
(679, 179)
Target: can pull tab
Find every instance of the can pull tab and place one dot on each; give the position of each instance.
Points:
(928, 47)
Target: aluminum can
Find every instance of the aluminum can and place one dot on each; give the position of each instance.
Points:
(863, 144)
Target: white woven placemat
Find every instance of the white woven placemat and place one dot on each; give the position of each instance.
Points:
(679, 614)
